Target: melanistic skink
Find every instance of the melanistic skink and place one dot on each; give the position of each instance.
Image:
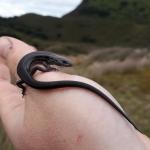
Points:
(44, 61)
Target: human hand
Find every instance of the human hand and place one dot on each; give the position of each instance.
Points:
(58, 119)
(26, 119)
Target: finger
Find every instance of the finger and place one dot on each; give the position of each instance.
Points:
(14, 50)
(11, 102)
(7, 89)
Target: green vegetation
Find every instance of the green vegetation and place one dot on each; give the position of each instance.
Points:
(97, 31)
(4, 141)
(117, 9)
(99, 22)
(132, 90)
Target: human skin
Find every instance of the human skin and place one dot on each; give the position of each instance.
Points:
(59, 119)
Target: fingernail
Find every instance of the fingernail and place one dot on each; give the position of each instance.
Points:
(5, 46)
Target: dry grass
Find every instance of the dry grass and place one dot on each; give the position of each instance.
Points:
(108, 60)
(99, 68)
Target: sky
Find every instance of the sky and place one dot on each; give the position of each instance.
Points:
(56, 8)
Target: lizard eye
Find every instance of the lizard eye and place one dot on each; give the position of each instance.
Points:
(66, 63)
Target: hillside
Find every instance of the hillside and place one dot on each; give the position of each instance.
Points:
(136, 10)
(104, 23)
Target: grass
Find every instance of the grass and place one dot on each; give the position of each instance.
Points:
(132, 90)
(106, 32)
(4, 141)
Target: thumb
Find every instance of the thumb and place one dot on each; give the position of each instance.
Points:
(11, 102)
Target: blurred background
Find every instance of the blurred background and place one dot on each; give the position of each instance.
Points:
(108, 41)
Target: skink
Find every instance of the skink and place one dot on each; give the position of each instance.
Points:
(43, 61)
